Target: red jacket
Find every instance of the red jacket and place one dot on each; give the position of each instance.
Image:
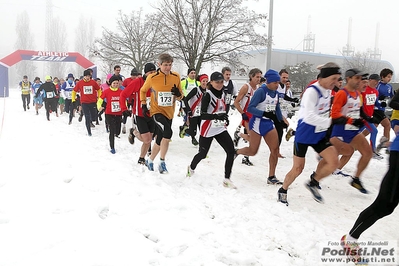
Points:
(133, 91)
(369, 96)
(112, 97)
(88, 91)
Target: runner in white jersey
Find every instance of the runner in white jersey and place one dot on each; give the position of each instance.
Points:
(314, 121)
(192, 108)
(214, 126)
(241, 103)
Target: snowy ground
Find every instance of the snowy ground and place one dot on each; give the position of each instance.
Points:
(66, 200)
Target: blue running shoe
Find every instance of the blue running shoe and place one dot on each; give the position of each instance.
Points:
(113, 151)
(162, 168)
(272, 180)
(150, 165)
(315, 193)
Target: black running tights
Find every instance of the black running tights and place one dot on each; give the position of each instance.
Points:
(227, 144)
(386, 201)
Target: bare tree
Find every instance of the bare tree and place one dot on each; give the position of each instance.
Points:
(199, 31)
(134, 42)
(362, 61)
(25, 41)
(57, 41)
(84, 39)
(301, 74)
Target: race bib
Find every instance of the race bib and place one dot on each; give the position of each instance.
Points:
(165, 99)
(370, 99)
(197, 111)
(218, 123)
(270, 108)
(50, 95)
(87, 89)
(228, 99)
(68, 94)
(115, 107)
(285, 107)
(319, 129)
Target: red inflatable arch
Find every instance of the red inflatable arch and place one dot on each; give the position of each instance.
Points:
(19, 55)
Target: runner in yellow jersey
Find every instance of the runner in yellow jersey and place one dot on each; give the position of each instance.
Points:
(165, 90)
(25, 86)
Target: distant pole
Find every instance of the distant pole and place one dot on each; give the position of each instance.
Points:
(270, 37)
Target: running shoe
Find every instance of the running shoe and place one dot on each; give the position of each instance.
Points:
(141, 161)
(227, 183)
(190, 172)
(352, 251)
(113, 151)
(358, 185)
(272, 180)
(289, 134)
(377, 156)
(150, 165)
(315, 181)
(194, 142)
(182, 130)
(382, 144)
(246, 161)
(314, 190)
(339, 172)
(282, 196)
(162, 168)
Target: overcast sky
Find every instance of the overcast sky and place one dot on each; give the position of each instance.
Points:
(329, 22)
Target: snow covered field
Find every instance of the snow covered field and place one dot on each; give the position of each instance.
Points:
(66, 200)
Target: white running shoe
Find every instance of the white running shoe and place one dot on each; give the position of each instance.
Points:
(377, 156)
(190, 172)
(227, 183)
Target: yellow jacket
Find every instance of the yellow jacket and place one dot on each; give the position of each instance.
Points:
(162, 101)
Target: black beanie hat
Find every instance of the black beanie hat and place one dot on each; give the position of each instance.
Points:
(149, 67)
(113, 78)
(134, 72)
(189, 70)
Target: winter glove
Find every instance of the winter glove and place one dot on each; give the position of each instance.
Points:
(358, 122)
(383, 104)
(146, 112)
(221, 116)
(175, 91)
(295, 100)
(245, 117)
(270, 115)
(381, 97)
(127, 113)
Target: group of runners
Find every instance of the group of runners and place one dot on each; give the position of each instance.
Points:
(332, 119)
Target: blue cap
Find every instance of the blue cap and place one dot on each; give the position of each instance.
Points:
(272, 76)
